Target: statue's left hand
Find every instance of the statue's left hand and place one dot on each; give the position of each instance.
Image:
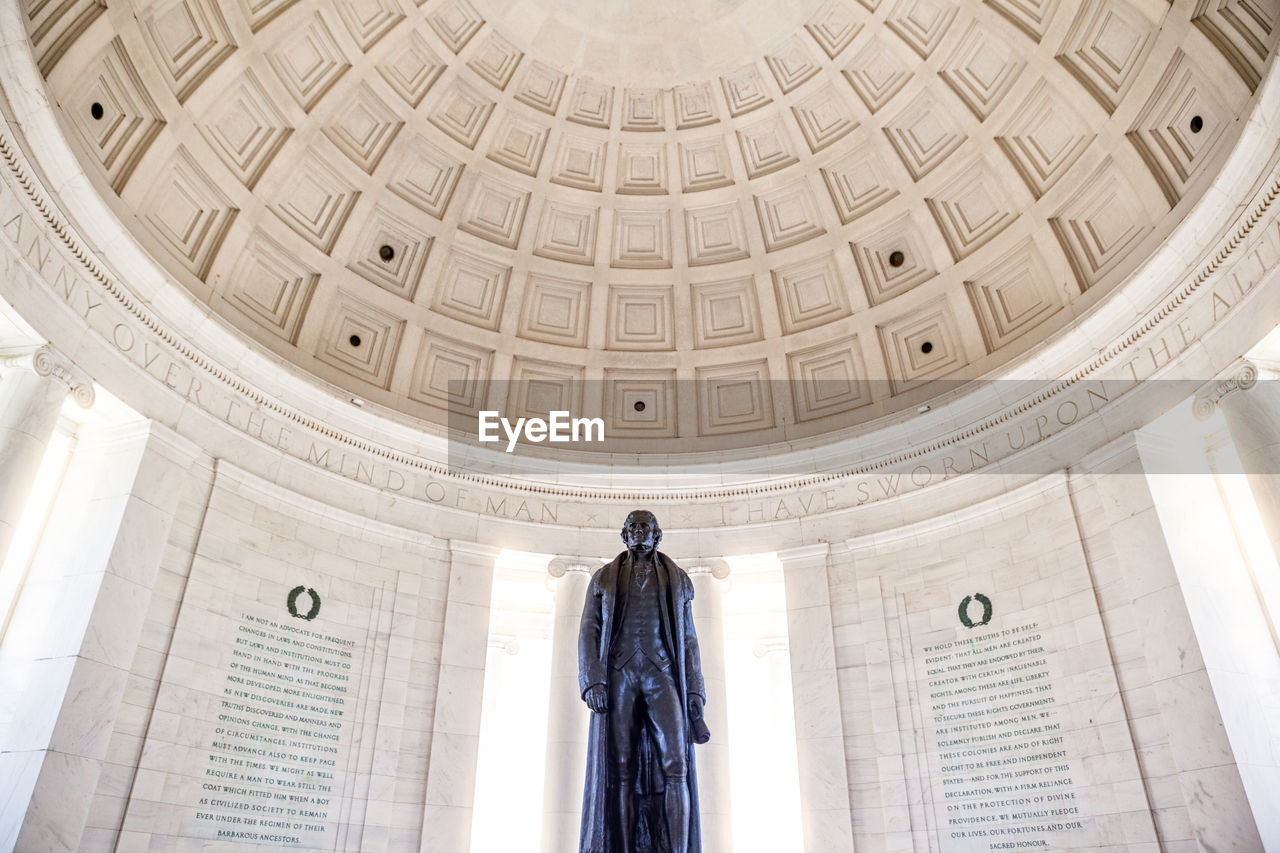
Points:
(597, 699)
(695, 705)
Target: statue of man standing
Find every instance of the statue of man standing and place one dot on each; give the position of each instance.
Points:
(639, 673)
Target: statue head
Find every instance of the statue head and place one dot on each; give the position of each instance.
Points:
(641, 532)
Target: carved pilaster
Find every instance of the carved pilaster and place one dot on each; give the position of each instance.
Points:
(566, 760)
(819, 716)
(709, 576)
(1253, 421)
(455, 731)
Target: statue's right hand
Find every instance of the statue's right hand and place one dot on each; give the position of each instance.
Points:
(597, 699)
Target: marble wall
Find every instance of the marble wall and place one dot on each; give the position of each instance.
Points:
(382, 589)
(1082, 558)
(242, 480)
(896, 596)
(130, 747)
(119, 714)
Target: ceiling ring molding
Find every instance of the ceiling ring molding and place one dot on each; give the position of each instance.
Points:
(1220, 258)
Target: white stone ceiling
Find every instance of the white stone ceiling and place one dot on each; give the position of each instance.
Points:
(648, 43)
(817, 211)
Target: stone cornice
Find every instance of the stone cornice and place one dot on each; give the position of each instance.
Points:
(268, 493)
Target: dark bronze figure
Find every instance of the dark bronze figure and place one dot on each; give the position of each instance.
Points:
(639, 673)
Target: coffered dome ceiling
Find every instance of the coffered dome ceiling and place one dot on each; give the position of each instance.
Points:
(815, 210)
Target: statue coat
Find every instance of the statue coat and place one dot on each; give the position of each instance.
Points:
(604, 600)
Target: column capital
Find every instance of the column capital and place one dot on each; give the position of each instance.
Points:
(1240, 376)
(714, 566)
(508, 643)
(560, 566)
(804, 553)
(474, 550)
(51, 363)
(763, 646)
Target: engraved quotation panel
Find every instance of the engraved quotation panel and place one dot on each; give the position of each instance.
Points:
(996, 741)
(987, 629)
(282, 726)
(287, 688)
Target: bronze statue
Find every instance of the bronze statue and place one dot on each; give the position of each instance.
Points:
(639, 673)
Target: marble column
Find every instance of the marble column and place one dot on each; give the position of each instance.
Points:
(713, 757)
(83, 610)
(31, 395)
(1195, 790)
(825, 813)
(455, 731)
(1251, 410)
(567, 718)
